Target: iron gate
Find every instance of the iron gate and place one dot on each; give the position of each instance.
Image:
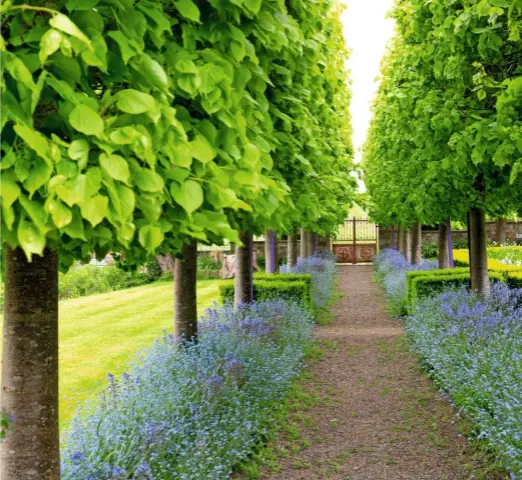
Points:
(357, 241)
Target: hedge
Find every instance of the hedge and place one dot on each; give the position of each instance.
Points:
(514, 279)
(428, 285)
(287, 277)
(298, 291)
(413, 274)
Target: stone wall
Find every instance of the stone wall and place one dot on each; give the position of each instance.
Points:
(513, 232)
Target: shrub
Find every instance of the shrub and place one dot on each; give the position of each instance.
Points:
(287, 277)
(208, 265)
(429, 250)
(473, 348)
(195, 412)
(414, 274)
(431, 285)
(295, 290)
(514, 279)
(85, 280)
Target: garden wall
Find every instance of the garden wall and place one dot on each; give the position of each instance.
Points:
(513, 232)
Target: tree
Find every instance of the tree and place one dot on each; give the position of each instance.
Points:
(448, 85)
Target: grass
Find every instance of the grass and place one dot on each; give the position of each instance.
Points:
(102, 333)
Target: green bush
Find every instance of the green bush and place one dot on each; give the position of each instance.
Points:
(514, 279)
(208, 265)
(413, 274)
(428, 285)
(89, 279)
(298, 291)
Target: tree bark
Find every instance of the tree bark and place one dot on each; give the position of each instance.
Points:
(416, 244)
(185, 296)
(478, 260)
(444, 261)
(30, 367)
(400, 239)
(450, 244)
(393, 239)
(306, 243)
(271, 256)
(501, 231)
(292, 250)
(244, 282)
(406, 245)
(314, 243)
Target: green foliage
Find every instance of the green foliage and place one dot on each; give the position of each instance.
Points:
(208, 265)
(423, 286)
(89, 279)
(297, 291)
(129, 125)
(412, 276)
(514, 279)
(446, 134)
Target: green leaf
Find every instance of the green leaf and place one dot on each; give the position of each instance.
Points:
(253, 5)
(127, 200)
(60, 214)
(9, 190)
(74, 191)
(134, 102)
(153, 72)
(35, 140)
(189, 195)
(95, 209)
(30, 239)
(202, 150)
(65, 24)
(49, 43)
(151, 237)
(188, 9)
(148, 180)
(79, 150)
(75, 228)
(116, 166)
(127, 52)
(85, 120)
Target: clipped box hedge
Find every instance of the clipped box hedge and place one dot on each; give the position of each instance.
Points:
(414, 274)
(298, 291)
(514, 279)
(423, 286)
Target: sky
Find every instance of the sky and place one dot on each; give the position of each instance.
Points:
(367, 31)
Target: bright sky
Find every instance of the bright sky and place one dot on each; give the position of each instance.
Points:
(367, 31)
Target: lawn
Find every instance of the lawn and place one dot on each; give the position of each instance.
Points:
(102, 333)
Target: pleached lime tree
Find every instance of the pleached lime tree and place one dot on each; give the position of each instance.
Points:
(441, 132)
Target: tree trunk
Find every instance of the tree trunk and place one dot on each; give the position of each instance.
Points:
(501, 231)
(416, 244)
(406, 245)
(393, 239)
(450, 244)
(314, 243)
(478, 260)
(271, 256)
(443, 246)
(306, 243)
(30, 367)
(185, 296)
(400, 241)
(244, 282)
(292, 250)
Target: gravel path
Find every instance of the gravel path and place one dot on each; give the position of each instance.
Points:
(378, 417)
